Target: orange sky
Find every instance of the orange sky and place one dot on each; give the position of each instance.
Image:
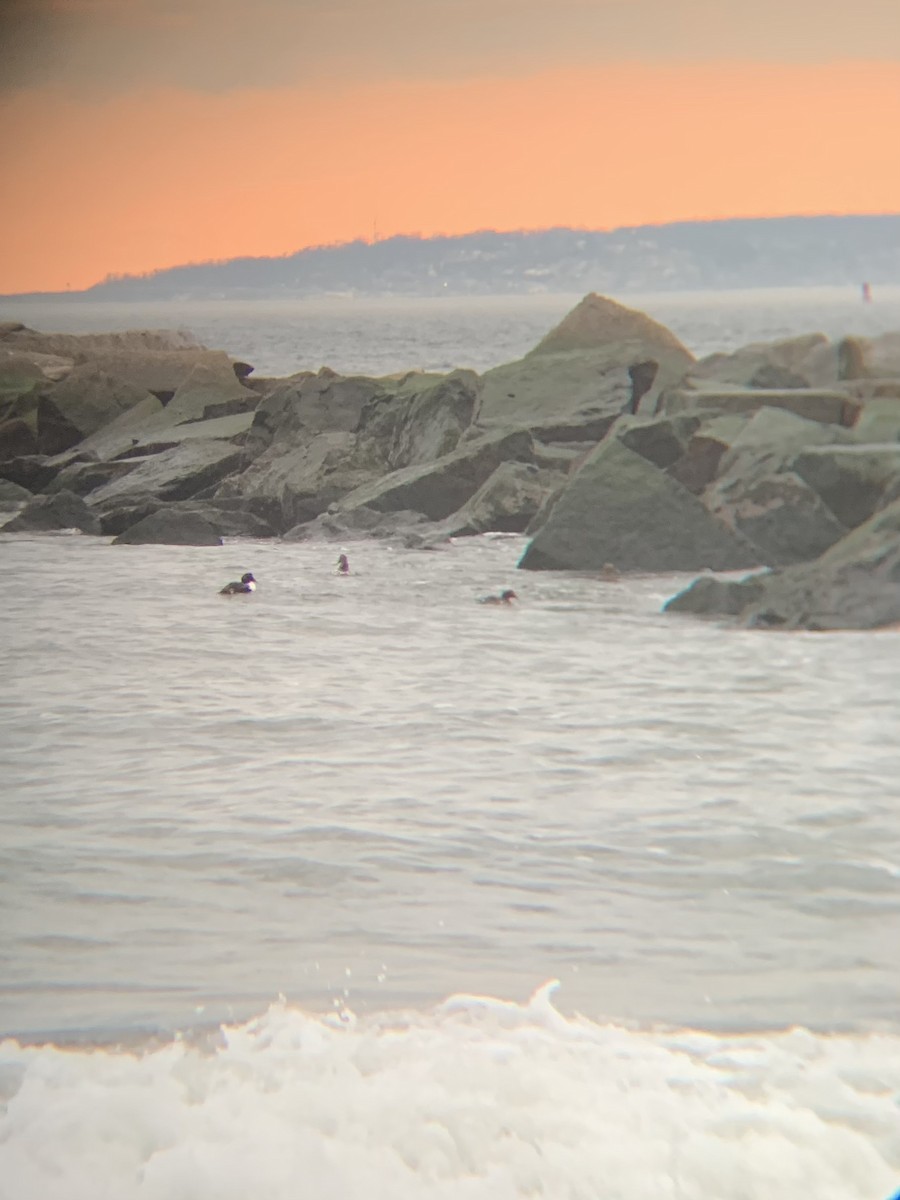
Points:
(96, 184)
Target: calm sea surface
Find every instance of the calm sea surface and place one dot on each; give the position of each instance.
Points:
(360, 821)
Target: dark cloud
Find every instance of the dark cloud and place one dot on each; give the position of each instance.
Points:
(107, 46)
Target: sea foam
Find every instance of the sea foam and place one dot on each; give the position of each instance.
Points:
(480, 1099)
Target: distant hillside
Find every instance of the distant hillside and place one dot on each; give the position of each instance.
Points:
(777, 252)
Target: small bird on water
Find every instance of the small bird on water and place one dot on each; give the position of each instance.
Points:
(247, 584)
(343, 565)
(506, 597)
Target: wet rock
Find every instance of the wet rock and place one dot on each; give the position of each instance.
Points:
(357, 523)
(709, 596)
(168, 527)
(64, 510)
(619, 508)
(12, 496)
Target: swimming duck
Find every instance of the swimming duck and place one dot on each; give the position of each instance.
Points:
(506, 597)
(343, 565)
(247, 584)
(610, 573)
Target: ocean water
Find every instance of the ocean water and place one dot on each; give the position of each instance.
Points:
(358, 888)
(378, 336)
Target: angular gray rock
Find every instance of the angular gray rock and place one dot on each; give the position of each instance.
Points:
(168, 527)
(851, 480)
(85, 401)
(439, 488)
(712, 597)
(44, 514)
(507, 502)
(12, 496)
(176, 474)
(620, 509)
(602, 360)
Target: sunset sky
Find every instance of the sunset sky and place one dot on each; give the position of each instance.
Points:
(140, 134)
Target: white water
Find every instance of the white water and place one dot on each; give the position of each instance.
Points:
(368, 794)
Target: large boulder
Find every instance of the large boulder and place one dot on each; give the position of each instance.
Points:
(323, 436)
(170, 528)
(507, 502)
(44, 514)
(439, 488)
(661, 440)
(620, 509)
(870, 358)
(124, 432)
(358, 523)
(12, 496)
(758, 494)
(300, 408)
(422, 420)
(303, 481)
(780, 515)
(855, 584)
(709, 596)
(85, 477)
(85, 401)
(211, 389)
(602, 360)
(176, 474)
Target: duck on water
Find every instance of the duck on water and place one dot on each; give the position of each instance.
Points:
(236, 588)
(506, 597)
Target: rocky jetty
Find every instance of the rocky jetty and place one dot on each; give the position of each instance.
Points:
(608, 443)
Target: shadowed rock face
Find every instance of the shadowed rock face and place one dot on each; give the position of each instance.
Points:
(44, 514)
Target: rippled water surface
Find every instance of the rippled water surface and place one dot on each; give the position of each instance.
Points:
(372, 791)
